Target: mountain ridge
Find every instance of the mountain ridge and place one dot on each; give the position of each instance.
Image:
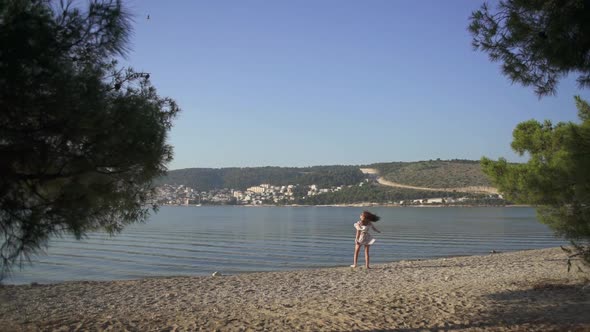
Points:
(435, 175)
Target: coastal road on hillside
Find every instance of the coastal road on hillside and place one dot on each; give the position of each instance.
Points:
(470, 189)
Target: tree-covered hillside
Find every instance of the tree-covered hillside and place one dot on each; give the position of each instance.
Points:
(204, 179)
(431, 174)
(434, 173)
(374, 193)
(353, 185)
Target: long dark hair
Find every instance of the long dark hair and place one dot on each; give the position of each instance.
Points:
(370, 216)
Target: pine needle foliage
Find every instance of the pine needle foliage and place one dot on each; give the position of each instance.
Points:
(81, 139)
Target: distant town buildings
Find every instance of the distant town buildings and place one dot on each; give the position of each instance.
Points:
(277, 195)
(256, 195)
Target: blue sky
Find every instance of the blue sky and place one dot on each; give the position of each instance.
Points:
(301, 83)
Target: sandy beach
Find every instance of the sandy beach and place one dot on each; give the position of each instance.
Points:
(518, 291)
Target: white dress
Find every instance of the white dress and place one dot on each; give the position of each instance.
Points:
(365, 238)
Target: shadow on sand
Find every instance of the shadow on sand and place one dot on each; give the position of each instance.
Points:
(541, 307)
(551, 304)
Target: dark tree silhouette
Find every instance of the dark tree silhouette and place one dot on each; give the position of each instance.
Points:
(556, 178)
(539, 42)
(80, 139)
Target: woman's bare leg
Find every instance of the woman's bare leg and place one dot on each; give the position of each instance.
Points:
(357, 248)
(367, 257)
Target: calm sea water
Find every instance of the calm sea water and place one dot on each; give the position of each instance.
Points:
(201, 240)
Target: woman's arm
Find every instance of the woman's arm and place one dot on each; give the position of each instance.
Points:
(358, 231)
(375, 228)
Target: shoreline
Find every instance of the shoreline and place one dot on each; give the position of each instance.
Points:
(359, 205)
(228, 274)
(513, 291)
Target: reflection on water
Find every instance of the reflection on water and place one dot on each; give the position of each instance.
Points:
(200, 240)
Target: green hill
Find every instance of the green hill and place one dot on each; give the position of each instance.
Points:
(204, 179)
(434, 173)
(373, 193)
(431, 174)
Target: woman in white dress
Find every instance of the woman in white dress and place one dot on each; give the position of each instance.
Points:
(363, 236)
